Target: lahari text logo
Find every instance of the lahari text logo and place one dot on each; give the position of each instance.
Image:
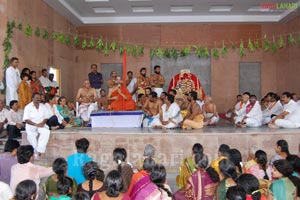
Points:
(279, 6)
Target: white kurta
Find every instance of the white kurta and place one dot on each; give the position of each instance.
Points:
(173, 113)
(12, 77)
(292, 120)
(269, 111)
(254, 116)
(240, 113)
(52, 110)
(37, 116)
(130, 88)
(45, 81)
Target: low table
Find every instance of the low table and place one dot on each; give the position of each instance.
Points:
(129, 119)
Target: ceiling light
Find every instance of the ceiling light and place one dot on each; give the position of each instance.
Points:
(104, 10)
(91, 1)
(142, 9)
(181, 9)
(138, 0)
(258, 9)
(220, 8)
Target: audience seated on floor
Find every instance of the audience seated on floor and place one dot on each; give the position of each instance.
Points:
(149, 152)
(223, 153)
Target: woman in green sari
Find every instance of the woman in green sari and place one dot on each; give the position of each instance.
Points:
(66, 114)
(188, 166)
(285, 185)
(228, 178)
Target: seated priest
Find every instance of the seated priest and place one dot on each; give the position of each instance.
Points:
(209, 109)
(118, 95)
(151, 109)
(87, 98)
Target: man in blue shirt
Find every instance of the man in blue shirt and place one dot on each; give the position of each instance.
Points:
(77, 161)
(95, 79)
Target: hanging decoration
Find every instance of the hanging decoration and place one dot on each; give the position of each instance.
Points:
(136, 49)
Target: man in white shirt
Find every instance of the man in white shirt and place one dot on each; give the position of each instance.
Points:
(274, 108)
(44, 79)
(36, 115)
(53, 83)
(3, 116)
(5, 192)
(131, 83)
(14, 121)
(12, 77)
(290, 117)
(253, 117)
(241, 112)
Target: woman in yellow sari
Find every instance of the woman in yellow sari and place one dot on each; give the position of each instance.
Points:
(24, 91)
(188, 166)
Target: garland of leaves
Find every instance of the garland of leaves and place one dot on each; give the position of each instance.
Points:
(105, 46)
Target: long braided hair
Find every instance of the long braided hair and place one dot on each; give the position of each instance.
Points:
(91, 172)
(158, 177)
(261, 158)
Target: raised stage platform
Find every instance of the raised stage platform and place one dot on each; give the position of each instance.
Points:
(171, 145)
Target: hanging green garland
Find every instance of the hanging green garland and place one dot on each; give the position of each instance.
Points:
(251, 47)
(224, 49)
(242, 49)
(91, 43)
(174, 53)
(167, 53)
(99, 45)
(274, 45)
(76, 41)
(121, 49)
(28, 30)
(61, 37)
(280, 42)
(216, 53)
(291, 39)
(141, 50)
(37, 32)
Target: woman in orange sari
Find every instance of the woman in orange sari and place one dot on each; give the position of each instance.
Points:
(24, 92)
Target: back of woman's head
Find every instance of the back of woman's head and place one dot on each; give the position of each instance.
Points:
(60, 167)
(25, 190)
(119, 154)
(201, 160)
(286, 169)
(113, 183)
(224, 150)
(64, 186)
(261, 159)
(295, 162)
(158, 177)
(197, 148)
(81, 196)
(148, 164)
(158, 174)
(227, 168)
(236, 158)
(91, 172)
(250, 184)
(235, 193)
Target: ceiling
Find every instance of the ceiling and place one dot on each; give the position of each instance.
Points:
(92, 12)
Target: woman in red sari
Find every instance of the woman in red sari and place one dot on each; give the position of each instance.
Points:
(35, 84)
(201, 184)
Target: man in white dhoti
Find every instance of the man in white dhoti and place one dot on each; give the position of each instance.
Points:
(87, 98)
(12, 77)
(151, 108)
(290, 117)
(253, 117)
(169, 116)
(241, 112)
(36, 117)
(157, 81)
(237, 105)
(131, 83)
(274, 108)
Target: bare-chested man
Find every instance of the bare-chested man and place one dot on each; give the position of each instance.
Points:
(210, 113)
(151, 108)
(142, 81)
(103, 102)
(157, 81)
(87, 98)
(194, 117)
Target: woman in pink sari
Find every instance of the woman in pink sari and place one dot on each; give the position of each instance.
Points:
(202, 183)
